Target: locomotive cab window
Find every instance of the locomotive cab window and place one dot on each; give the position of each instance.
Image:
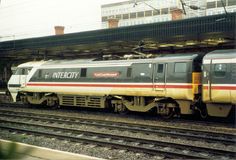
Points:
(220, 70)
(180, 67)
(23, 71)
(40, 73)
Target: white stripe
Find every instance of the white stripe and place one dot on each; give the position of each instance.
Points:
(83, 66)
(180, 84)
(223, 85)
(216, 61)
(87, 83)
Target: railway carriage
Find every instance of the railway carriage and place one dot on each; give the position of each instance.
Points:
(168, 85)
(219, 82)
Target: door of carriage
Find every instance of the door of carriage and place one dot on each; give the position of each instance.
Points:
(216, 77)
(160, 78)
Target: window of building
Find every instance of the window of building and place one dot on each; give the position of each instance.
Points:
(133, 15)
(148, 13)
(231, 2)
(104, 19)
(118, 16)
(125, 16)
(140, 14)
(219, 3)
(220, 70)
(180, 67)
(156, 12)
(211, 4)
(164, 11)
(112, 16)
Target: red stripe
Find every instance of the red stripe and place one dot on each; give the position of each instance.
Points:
(221, 87)
(110, 85)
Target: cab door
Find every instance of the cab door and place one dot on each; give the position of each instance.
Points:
(216, 79)
(207, 67)
(160, 79)
(23, 77)
(22, 74)
(220, 80)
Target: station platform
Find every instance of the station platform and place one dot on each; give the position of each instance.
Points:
(41, 153)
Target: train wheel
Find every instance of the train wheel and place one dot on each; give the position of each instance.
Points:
(121, 109)
(169, 113)
(55, 105)
(203, 113)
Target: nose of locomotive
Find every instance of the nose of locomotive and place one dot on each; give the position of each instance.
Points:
(14, 86)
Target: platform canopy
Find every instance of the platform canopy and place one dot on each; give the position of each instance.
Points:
(197, 33)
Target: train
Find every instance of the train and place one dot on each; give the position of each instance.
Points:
(169, 84)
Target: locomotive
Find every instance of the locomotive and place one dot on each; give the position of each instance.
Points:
(176, 84)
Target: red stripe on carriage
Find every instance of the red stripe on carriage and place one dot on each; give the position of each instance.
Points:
(187, 86)
(221, 87)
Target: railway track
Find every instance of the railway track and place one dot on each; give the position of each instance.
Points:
(216, 122)
(174, 132)
(153, 147)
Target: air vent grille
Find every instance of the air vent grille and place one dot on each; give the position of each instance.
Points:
(82, 101)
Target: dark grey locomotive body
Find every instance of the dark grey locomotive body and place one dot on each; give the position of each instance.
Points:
(168, 85)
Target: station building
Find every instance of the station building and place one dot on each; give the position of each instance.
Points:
(137, 12)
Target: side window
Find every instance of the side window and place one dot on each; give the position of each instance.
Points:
(83, 72)
(129, 72)
(180, 67)
(160, 68)
(220, 70)
(141, 71)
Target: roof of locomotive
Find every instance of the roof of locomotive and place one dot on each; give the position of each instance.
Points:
(32, 64)
(221, 54)
(169, 57)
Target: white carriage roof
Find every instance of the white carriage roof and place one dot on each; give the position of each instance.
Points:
(221, 54)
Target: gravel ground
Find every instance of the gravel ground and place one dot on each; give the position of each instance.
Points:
(91, 150)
